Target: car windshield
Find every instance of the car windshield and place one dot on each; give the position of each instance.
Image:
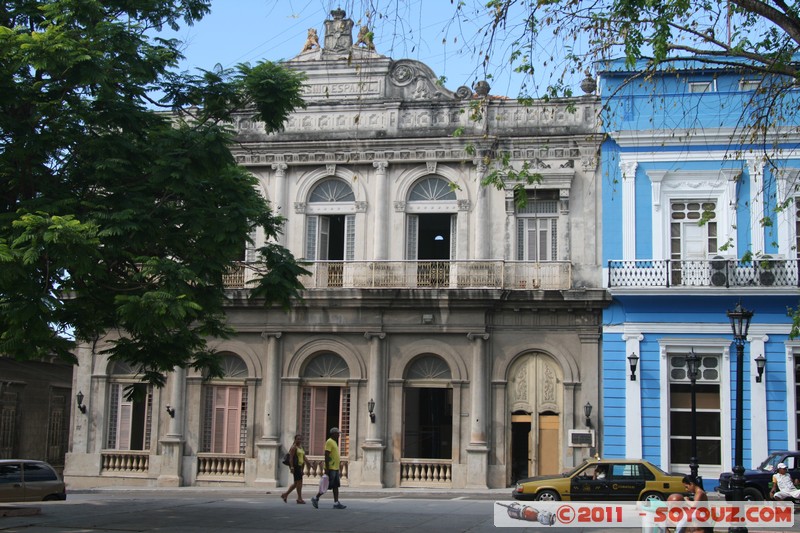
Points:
(771, 462)
(570, 473)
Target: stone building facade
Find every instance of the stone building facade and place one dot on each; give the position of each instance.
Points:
(452, 334)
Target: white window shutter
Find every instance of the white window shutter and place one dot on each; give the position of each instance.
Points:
(453, 234)
(311, 237)
(412, 233)
(349, 237)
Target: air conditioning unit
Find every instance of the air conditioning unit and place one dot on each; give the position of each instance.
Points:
(769, 268)
(581, 438)
(719, 270)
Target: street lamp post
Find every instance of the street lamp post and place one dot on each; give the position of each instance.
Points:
(740, 323)
(693, 362)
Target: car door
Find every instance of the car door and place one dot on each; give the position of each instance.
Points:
(793, 466)
(11, 487)
(584, 487)
(40, 480)
(626, 482)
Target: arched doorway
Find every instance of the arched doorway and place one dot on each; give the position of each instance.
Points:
(535, 398)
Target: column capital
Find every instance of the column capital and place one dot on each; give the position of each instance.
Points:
(267, 334)
(475, 336)
(369, 335)
(380, 166)
(280, 168)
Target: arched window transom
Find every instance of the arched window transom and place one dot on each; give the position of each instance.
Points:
(332, 190)
(327, 365)
(428, 367)
(432, 189)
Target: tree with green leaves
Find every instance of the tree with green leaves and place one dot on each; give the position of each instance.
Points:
(115, 216)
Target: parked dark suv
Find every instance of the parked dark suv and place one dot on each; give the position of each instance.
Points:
(757, 482)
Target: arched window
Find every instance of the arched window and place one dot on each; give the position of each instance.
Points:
(130, 408)
(428, 413)
(431, 228)
(325, 402)
(225, 409)
(331, 229)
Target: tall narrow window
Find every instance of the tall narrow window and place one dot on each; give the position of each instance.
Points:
(129, 419)
(693, 237)
(327, 404)
(129, 415)
(537, 227)
(225, 410)
(428, 409)
(707, 394)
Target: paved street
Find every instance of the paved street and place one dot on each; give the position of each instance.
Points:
(193, 509)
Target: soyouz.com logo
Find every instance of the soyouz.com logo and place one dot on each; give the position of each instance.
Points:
(641, 514)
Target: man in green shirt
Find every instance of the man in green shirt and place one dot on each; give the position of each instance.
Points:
(332, 470)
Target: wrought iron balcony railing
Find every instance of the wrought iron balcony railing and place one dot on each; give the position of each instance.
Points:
(714, 272)
(510, 275)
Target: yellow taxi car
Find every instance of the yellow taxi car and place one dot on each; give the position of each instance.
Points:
(603, 480)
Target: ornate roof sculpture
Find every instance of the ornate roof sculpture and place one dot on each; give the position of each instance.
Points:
(342, 69)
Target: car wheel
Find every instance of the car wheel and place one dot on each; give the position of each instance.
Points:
(753, 495)
(653, 497)
(548, 496)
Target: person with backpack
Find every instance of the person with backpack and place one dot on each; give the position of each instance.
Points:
(297, 458)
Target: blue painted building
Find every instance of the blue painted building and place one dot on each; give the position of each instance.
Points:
(690, 228)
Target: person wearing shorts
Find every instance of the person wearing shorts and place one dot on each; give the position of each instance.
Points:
(297, 458)
(332, 470)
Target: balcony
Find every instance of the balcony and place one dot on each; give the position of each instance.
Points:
(719, 272)
(507, 275)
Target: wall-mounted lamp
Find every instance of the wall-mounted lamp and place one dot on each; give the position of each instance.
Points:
(587, 412)
(79, 398)
(633, 360)
(171, 411)
(761, 363)
(371, 409)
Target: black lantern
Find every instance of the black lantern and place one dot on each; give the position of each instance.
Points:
(633, 360)
(761, 362)
(587, 412)
(371, 409)
(740, 322)
(79, 398)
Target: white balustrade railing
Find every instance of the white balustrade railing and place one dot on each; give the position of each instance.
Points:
(425, 472)
(314, 467)
(220, 465)
(714, 272)
(125, 461)
(508, 275)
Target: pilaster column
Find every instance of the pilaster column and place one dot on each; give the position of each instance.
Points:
(758, 398)
(628, 170)
(755, 165)
(481, 213)
(380, 229)
(478, 450)
(280, 196)
(172, 443)
(633, 395)
(373, 447)
(269, 446)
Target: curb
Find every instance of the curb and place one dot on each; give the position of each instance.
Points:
(19, 511)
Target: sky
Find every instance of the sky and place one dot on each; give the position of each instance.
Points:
(239, 31)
